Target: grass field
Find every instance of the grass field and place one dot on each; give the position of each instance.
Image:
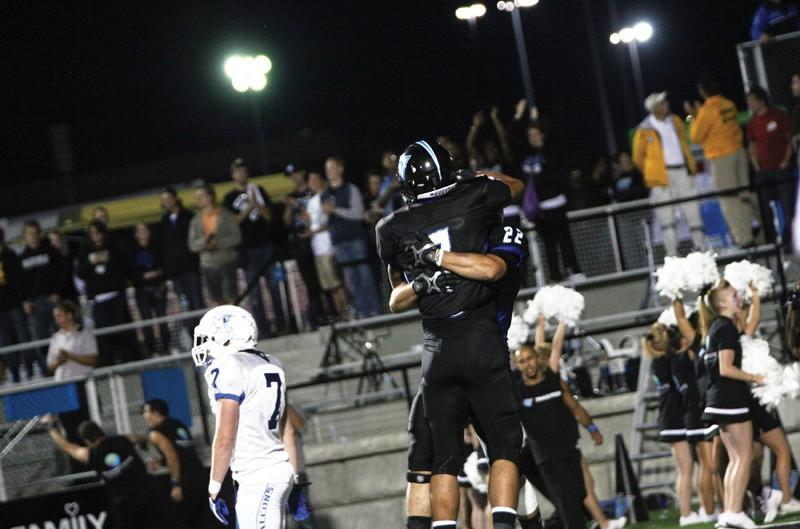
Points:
(668, 518)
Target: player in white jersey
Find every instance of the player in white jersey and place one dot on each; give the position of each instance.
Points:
(247, 389)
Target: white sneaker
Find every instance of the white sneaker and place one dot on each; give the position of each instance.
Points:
(690, 519)
(705, 517)
(736, 520)
(617, 523)
(772, 505)
(790, 507)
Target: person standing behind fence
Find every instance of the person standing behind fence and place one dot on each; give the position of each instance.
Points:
(661, 153)
(343, 204)
(214, 234)
(174, 442)
(180, 264)
(296, 219)
(258, 248)
(770, 153)
(330, 278)
(772, 18)
(63, 248)
(541, 168)
(151, 289)
(42, 278)
(72, 353)
(13, 328)
(104, 266)
(713, 124)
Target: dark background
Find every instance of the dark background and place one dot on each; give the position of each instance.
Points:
(143, 82)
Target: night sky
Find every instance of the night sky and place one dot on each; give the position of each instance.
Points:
(137, 84)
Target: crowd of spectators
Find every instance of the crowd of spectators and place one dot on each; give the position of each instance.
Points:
(326, 222)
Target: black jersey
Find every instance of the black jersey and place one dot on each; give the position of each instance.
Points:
(180, 437)
(459, 221)
(722, 391)
(549, 424)
(116, 461)
(508, 243)
(670, 413)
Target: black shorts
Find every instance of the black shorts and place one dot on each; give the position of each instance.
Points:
(465, 373)
(561, 481)
(763, 419)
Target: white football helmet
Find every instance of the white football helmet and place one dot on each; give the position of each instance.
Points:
(223, 329)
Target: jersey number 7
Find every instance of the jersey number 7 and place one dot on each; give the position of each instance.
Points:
(276, 378)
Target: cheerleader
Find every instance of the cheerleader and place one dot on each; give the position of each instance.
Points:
(662, 344)
(767, 430)
(728, 395)
(707, 443)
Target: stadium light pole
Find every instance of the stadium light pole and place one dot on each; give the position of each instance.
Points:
(519, 39)
(641, 32)
(249, 74)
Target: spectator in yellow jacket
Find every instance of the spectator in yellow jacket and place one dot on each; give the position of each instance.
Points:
(661, 153)
(713, 124)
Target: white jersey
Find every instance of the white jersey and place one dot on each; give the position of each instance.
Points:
(258, 384)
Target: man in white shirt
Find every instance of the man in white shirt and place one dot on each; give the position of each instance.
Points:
(72, 353)
(321, 245)
(661, 152)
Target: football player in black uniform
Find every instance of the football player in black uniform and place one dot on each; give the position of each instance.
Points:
(464, 365)
(503, 263)
(174, 441)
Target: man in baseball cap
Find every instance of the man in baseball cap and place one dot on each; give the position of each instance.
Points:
(661, 152)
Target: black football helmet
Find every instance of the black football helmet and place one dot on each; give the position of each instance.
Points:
(425, 171)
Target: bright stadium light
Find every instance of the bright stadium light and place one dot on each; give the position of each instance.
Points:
(248, 73)
(470, 12)
(614, 38)
(525, 3)
(626, 35)
(642, 31)
(501, 5)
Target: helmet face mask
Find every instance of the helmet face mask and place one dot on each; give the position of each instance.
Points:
(224, 329)
(424, 170)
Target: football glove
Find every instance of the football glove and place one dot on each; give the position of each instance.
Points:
(421, 251)
(219, 509)
(437, 283)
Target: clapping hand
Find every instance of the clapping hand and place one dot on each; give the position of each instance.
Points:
(691, 109)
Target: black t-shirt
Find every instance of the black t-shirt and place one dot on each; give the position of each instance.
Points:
(722, 391)
(549, 424)
(508, 243)
(255, 228)
(181, 438)
(459, 221)
(116, 461)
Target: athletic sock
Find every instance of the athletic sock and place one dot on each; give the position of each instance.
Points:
(444, 524)
(418, 522)
(531, 523)
(503, 518)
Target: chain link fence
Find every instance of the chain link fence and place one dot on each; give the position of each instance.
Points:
(771, 65)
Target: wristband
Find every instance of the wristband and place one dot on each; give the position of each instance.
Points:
(439, 255)
(175, 482)
(214, 487)
(592, 428)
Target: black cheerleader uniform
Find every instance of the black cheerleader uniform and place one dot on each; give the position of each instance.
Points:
(671, 428)
(685, 377)
(727, 400)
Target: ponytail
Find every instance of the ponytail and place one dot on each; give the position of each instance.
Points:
(708, 305)
(661, 340)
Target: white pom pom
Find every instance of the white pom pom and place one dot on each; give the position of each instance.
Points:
(668, 316)
(671, 277)
(558, 302)
(519, 332)
(778, 384)
(741, 273)
(701, 269)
